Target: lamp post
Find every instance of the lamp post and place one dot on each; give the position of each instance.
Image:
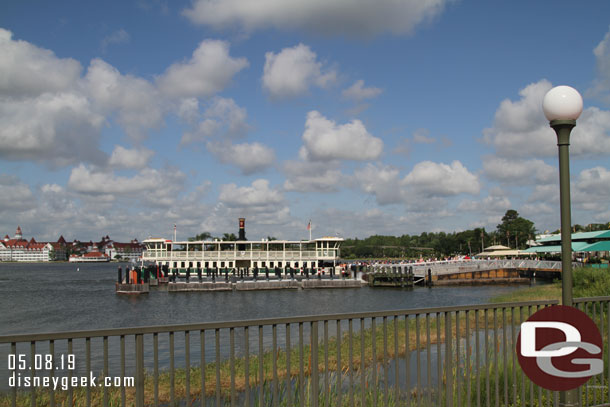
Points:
(562, 105)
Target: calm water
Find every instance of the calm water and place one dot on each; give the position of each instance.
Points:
(68, 297)
(65, 297)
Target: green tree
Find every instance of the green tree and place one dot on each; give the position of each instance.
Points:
(229, 237)
(514, 230)
(200, 236)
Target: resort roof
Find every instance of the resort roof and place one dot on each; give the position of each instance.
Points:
(600, 234)
(598, 247)
(499, 253)
(496, 247)
(576, 247)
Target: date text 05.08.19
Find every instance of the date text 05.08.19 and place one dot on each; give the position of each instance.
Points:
(47, 361)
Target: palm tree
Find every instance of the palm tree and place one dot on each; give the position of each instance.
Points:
(229, 237)
(201, 236)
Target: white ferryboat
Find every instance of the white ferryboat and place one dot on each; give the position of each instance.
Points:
(245, 254)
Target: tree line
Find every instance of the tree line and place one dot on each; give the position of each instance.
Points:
(514, 231)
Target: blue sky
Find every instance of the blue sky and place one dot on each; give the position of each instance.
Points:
(367, 117)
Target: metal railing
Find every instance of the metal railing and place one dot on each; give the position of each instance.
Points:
(453, 266)
(449, 356)
(210, 255)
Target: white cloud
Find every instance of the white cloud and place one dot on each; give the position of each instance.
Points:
(382, 182)
(358, 18)
(117, 37)
(292, 71)
(248, 157)
(422, 136)
(521, 130)
(545, 193)
(123, 158)
(222, 123)
(58, 129)
(223, 120)
(591, 192)
(209, 71)
(157, 188)
(318, 176)
(188, 110)
(601, 85)
(357, 92)
(43, 116)
(29, 71)
(135, 100)
(15, 196)
(323, 139)
(591, 136)
(429, 179)
(257, 196)
(521, 172)
(494, 204)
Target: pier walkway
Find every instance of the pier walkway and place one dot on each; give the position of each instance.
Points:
(437, 268)
(471, 271)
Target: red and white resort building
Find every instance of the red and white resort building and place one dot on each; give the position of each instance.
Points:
(20, 249)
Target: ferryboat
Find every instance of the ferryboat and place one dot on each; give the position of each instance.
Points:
(316, 254)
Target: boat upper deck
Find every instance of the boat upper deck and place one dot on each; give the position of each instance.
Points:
(301, 251)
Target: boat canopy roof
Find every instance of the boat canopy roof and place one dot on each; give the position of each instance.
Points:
(321, 239)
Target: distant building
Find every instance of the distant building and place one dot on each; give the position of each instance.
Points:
(19, 249)
(91, 257)
(127, 251)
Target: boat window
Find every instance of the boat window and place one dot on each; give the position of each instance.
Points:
(230, 264)
(181, 264)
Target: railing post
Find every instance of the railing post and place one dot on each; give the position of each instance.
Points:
(314, 364)
(139, 370)
(448, 361)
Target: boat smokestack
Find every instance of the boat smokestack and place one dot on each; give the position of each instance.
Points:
(242, 229)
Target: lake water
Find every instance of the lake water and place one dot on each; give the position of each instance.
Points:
(55, 297)
(66, 297)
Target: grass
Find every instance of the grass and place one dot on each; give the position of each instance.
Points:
(586, 282)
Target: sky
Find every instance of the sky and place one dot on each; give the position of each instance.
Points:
(125, 118)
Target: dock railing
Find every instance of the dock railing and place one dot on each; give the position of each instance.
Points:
(461, 266)
(447, 356)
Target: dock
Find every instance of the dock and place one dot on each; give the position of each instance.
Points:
(470, 272)
(132, 288)
(273, 284)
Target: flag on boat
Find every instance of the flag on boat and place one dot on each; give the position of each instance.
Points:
(309, 225)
